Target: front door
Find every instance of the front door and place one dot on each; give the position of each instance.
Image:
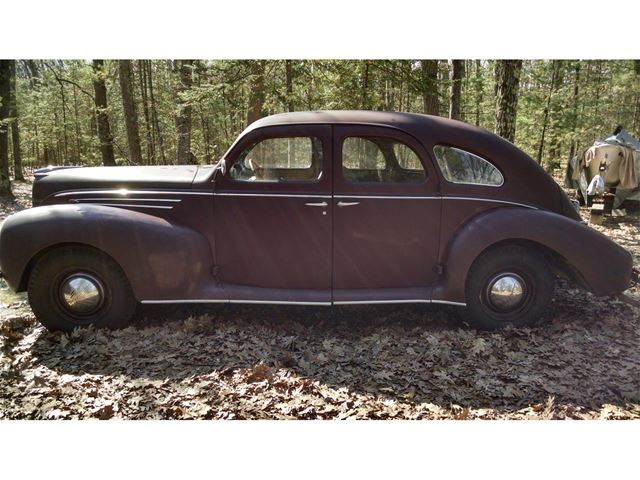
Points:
(386, 214)
(273, 216)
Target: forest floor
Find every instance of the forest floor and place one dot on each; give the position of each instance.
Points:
(239, 362)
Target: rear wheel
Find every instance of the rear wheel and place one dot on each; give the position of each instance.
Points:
(78, 286)
(508, 286)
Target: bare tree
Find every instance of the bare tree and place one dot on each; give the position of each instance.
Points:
(125, 72)
(507, 73)
(102, 117)
(5, 99)
(431, 105)
(256, 91)
(15, 127)
(183, 120)
(456, 89)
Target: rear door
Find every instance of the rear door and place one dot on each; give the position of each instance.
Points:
(386, 214)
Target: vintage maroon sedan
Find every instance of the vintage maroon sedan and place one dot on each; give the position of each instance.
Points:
(311, 208)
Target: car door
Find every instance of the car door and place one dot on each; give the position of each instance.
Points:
(386, 214)
(272, 216)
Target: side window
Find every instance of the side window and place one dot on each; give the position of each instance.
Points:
(292, 159)
(459, 166)
(379, 159)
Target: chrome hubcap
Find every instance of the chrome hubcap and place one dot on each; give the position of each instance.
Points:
(506, 291)
(81, 294)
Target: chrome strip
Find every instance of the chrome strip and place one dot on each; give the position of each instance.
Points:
(128, 205)
(124, 192)
(284, 302)
(386, 197)
(285, 195)
(375, 302)
(491, 200)
(278, 302)
(261, 302)
(447, 302)
(127, 199)
(160, 302)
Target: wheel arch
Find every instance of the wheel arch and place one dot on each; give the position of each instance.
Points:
(31, 263)
(575, 251)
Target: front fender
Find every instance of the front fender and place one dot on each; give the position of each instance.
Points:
(160, 259)
(603, 265)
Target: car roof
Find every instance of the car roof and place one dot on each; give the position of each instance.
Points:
(402, 120)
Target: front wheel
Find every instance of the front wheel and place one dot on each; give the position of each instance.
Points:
(78, 286)
(508, 286)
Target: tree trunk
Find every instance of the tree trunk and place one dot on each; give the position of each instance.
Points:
(574, 112)
(288, 66)
(545, 118)
(15, 128)
(154, 114)
(430, 87)
(479, 86)
(507, 86)
(183, 120)
(5, 99)
(256, 91)
(102, 117)
(125, 73)
(142, 72)
(456, 89)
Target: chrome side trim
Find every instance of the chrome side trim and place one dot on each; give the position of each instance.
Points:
(447, 302)
(376, 302)
(103, 199)
(279, 302)
(284, 302)
(285, 195)
(162, 302)
(386, 197)
(161, 207)
(261, 302)
(492, 201)
(124, 192)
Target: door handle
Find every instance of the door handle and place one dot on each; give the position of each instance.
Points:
(348, 204)
(317, 204)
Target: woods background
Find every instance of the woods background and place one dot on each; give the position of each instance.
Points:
(122, 112)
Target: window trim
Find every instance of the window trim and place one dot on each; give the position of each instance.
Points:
(283, 182)
(437, 162)
(423, 181)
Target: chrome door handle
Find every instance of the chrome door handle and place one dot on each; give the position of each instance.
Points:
(348, 204)
(317, 204)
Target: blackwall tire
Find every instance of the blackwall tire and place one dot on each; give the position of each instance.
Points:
(508, 286)
(73, 287)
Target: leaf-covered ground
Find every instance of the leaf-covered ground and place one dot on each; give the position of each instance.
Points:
(583, 361)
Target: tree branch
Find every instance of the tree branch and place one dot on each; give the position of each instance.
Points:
(59, 79)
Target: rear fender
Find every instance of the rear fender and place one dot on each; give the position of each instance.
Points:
(604, 266)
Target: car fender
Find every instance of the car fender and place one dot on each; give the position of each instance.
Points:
(160, 259)
(603, 265)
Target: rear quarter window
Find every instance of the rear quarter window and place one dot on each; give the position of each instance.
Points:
(460, 166)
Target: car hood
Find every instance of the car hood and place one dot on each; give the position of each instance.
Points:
(52, 180)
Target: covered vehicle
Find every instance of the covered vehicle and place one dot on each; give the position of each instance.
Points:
(311, 208)
(616, 160)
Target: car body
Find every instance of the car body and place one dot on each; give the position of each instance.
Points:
(322, 208)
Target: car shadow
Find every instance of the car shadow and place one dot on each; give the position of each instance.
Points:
(585, 354)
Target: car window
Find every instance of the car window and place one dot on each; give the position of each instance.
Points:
(379, 159)
(290, 159)
(459, 166)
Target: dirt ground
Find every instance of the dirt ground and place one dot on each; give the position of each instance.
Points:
(238, 362)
